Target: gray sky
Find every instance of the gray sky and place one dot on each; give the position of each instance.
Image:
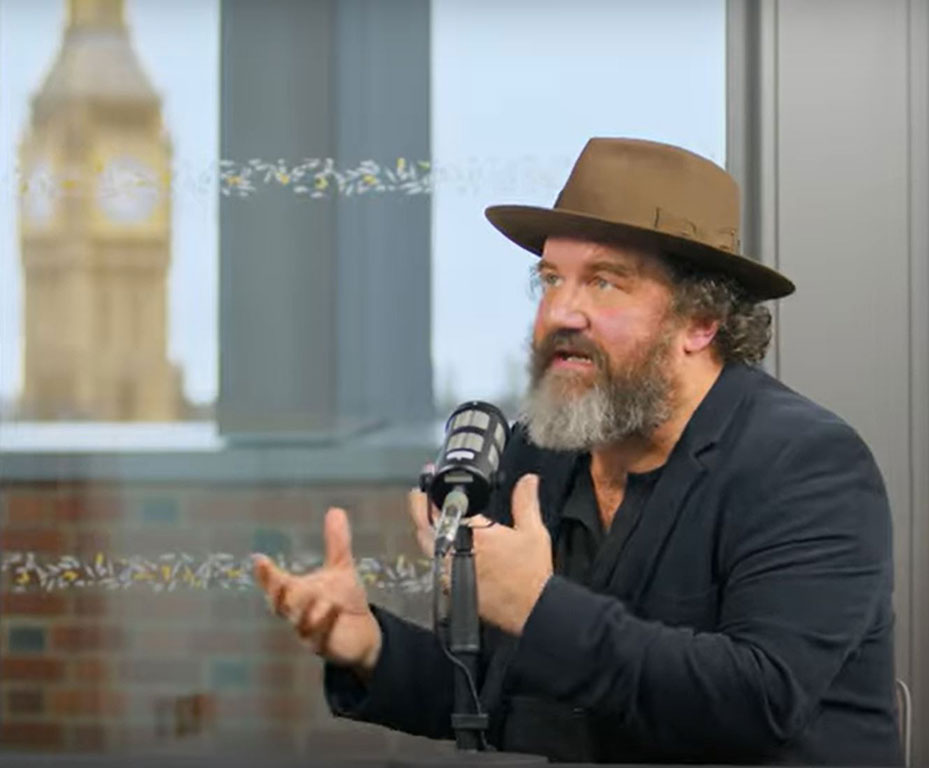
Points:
(517, 88)
(527, 82)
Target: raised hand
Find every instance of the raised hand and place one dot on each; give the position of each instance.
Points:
(514, 564)
(328, 607)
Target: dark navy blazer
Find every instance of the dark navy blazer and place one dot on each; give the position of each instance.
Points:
(746, 618)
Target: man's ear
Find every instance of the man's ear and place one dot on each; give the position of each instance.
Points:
(699, 334)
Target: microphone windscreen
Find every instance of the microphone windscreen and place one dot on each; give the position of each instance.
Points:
(475, 436)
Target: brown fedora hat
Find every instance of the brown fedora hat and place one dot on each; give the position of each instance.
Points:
(651, 195)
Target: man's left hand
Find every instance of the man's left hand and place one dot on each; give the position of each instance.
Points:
(512, 564)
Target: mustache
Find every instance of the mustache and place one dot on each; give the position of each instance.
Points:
(563, 342)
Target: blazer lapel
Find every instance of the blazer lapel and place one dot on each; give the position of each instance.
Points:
(625, 568)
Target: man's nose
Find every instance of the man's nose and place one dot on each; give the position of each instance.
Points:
(566, 310)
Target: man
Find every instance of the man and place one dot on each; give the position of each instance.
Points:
(695, 561)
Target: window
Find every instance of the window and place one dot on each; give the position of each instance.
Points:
(515, 96)
(108, 228)
(333, 288)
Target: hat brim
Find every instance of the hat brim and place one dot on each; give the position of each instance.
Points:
(529, 226)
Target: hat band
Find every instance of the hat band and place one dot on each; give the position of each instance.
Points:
(724, 238)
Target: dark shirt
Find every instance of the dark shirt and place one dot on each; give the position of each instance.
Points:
(582, 546)
(583, 550)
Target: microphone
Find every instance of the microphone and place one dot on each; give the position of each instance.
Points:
(454, 509)
(466, 469)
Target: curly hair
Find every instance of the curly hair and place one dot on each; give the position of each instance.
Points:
(744, 324)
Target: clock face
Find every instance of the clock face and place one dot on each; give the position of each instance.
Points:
(40, 193)
(127, 190)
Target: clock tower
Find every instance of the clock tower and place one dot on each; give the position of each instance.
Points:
(95, 232)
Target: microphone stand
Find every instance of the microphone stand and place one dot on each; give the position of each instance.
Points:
(470, 726)
(463, 647)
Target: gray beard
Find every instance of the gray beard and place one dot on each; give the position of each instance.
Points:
(614, 408)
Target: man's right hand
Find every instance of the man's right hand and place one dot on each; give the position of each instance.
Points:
(328, 607)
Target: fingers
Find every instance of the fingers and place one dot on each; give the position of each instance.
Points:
(315, 617)
(525, 503)
(337, 535)
(417, 504)
(315, 624)
(297, 600)
(263, 568)
(288, 596)
(318, 634)
(273, 581)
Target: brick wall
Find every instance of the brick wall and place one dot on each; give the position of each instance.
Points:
(161, 663)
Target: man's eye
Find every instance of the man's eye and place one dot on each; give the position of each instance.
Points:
(544, 280)
(602, 284)
(539, 283)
